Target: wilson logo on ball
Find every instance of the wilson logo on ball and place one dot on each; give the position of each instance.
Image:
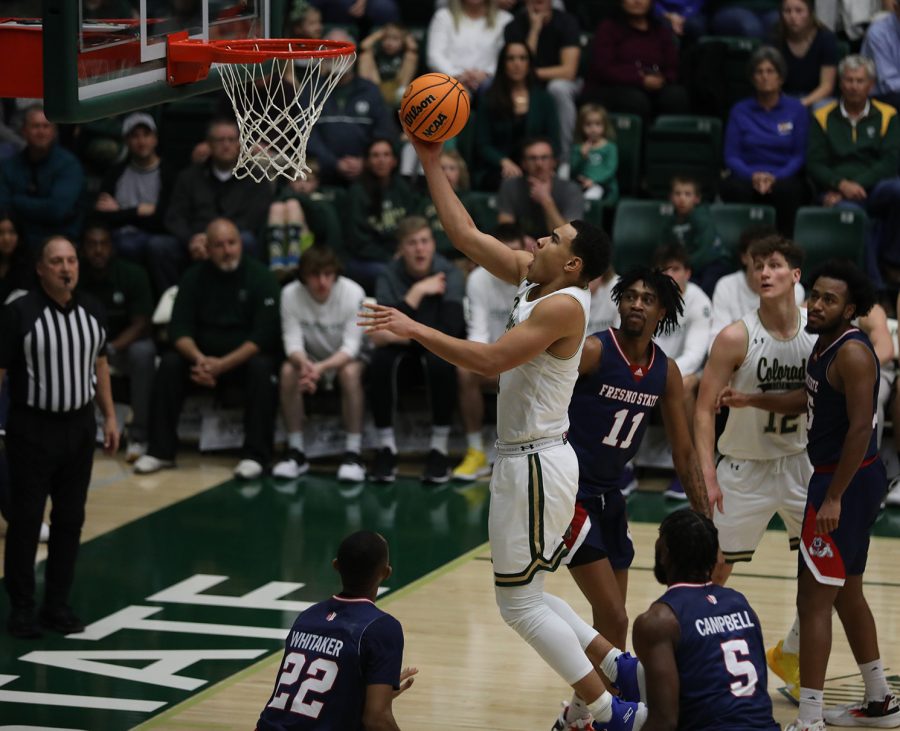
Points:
(418, 109)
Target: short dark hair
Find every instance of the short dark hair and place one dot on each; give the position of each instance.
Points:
(860, 291)
(318, 258)
(693, 545)
(671, 252)
(360, 558)
(663, 285)
(537, 140)
(593, 247)
(687, 180)
(777, 244)
(754, 233)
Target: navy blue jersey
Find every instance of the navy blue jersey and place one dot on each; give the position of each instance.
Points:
(334, 650)
(721, 660)
(609, 412)
(826, 417)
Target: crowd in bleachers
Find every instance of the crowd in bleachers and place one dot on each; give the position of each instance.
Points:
(674, 123)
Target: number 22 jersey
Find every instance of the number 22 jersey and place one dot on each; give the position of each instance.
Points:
(335, 649)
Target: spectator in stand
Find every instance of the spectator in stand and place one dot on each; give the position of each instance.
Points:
(765, 143)
(882, 45)
(604, 312)
(123, 289)
(322, 342)
(464, 40)
(378, 201)
(352, 117)
(747, 18)
(133, 197)
(634, 64)
(553, 37)
(226, 334)
(489, 302)
(594, 160)
(457, 173)
(687, 18)
(389, 58)
(539, 201)
(42, 185)
(305, 21)
(810, 51)
(852, 157)
(513, 109)
(207, 191)
(693, 228)
(17, 273)
(426, 287)
(350, 12)
(737, 293)
(688, 343)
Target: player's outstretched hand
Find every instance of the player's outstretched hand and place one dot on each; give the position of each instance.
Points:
(406, 680)
(732, 399)
(375, 318)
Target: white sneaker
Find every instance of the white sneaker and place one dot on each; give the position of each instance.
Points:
(149, 464)
(291, 466)
(893, 496)
(135, 451)
(45, 533)
(799, 725)
(351, 469)
(248, 469)
(563, 725)
(871, 714)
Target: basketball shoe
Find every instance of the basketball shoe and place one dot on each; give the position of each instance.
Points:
(629, 678)
(625, 717)
(786, 665)
(474, 465)
(799, 725)
(872, 714)
(563, 725)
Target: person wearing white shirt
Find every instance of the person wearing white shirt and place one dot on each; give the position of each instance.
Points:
(465, 38)
(604, 313)
(689, 342)
(322, 342)
(488, 303)
(734, 295)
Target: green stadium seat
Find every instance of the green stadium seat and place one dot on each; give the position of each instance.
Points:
(732, 219)
(683, 145)
(636, 231)
(629, 134)
(830, 233)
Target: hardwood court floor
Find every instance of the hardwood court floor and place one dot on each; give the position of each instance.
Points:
(475, 673)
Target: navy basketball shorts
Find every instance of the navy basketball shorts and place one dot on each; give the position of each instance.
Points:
(844, 551)
(608, 535)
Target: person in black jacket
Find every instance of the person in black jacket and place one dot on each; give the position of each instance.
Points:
(133, 196)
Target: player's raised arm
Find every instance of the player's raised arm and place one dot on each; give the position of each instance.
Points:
(684, 456)
(556, 325)
(504, 263)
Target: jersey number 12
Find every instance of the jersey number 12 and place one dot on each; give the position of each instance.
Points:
(612, 439)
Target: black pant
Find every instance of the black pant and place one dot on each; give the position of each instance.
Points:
(258, 382)
(384, 383)
(671, 99)
(787, 195)
(49, 456)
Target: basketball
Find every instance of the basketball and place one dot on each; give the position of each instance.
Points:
(435, 107)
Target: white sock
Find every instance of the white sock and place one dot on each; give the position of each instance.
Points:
(810, 704)
(791, 642)
(353, 443)
(608, 665)
(577, 709)
(474, 441)
(440, 435)
(873, 677)
(295, 440)
(386, 439)
(601, 709)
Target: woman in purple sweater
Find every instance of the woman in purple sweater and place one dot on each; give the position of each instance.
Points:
(765, 143)
(634, 64)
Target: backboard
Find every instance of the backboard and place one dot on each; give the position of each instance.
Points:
(97, 58)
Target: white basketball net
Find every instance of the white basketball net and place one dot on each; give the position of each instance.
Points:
(276, 103)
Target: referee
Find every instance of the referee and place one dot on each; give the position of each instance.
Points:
(52, 342)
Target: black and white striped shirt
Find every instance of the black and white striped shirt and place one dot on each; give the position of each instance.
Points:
(50, 351)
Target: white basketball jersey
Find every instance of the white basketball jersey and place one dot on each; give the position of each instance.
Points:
(533, 398)
(771, 365)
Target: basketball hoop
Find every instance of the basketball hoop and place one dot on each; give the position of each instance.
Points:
(277, 88)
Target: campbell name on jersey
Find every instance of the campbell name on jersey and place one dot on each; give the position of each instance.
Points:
(533, 398)
(772, 365)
